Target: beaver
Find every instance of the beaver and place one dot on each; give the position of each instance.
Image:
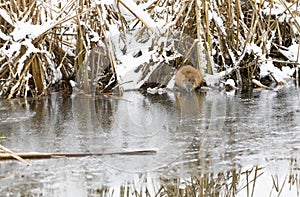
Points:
(188, 78)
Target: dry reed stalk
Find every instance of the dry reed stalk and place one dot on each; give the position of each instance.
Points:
(110, 53)
(198, 47)
(297, 66)
(17, 88)
(247, 182)
(80, 47)
(179, 14)
(238, 15)
(186, 17)
(11, 154)
(136, 15)
(207, 37)
(19, 156)
(254, 180)
(231, 31)
(41, 67)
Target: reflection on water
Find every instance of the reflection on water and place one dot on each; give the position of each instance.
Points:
(209, 143)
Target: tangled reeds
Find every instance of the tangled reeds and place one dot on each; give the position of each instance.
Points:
(45, 45)
(250, 182)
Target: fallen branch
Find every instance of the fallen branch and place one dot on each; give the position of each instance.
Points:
(36, 155)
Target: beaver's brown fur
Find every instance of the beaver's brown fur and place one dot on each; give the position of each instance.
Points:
(188, 78)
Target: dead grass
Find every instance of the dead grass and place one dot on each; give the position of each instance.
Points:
(226, 31)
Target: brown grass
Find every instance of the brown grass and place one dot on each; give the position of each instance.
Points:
(225, 30)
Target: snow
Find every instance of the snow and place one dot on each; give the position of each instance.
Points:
(95, 37)
(27, 30)
(30, 49)
(113, 30)
(106, 2)
(292, 52)
(171, 83)
(13, 50)
(129, 68)
(268, 67)
(218, 20)
(230, 82)
(22, 35)
(297, 21)
(6, 17)
(276, 10)
(287, 72)
(3, 36)
(156, 90)
(256, 49)
(213, 80)
(73, 83)
(129, 78)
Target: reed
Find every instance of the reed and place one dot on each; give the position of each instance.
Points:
(229, 33)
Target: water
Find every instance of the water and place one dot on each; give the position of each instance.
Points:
(201, 136)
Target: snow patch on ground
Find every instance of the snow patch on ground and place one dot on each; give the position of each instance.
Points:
(292, 52)
(129, 71)
(268, 67)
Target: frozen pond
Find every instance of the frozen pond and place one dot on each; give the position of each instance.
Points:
(253, 136)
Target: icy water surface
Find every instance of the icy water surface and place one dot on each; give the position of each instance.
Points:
(223, 144)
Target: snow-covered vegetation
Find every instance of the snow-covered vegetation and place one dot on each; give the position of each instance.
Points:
(113, 45)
